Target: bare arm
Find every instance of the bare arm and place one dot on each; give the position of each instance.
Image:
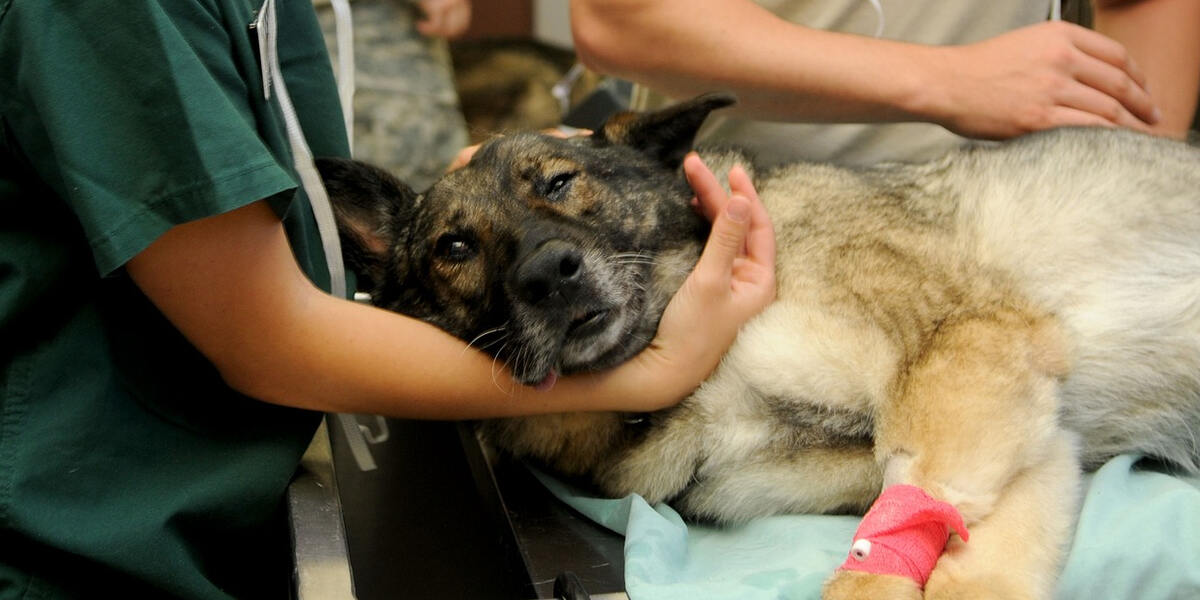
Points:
(1040, 76)
(444, 18)
(231, 285)
(1164, 37)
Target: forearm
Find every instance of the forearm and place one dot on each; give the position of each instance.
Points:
(1036, 77)
(230, 284)
(779, 70)
(355, 358)
(1164, 37)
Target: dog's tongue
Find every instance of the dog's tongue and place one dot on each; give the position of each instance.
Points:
(548, 382)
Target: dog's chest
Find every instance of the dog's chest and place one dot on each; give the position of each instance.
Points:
(794, 377)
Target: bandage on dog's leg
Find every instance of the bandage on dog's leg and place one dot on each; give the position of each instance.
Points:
(903, 534)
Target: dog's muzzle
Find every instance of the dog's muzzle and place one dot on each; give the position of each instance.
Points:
(550, 275)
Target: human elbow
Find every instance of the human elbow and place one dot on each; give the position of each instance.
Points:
(248, 380)
(262, 374)
(591, 49)
(603, 42)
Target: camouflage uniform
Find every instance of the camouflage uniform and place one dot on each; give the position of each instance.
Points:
(406, 113)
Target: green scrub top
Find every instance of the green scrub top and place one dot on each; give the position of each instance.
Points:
(127, 466)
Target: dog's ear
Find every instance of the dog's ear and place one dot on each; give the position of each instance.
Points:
(372, 208)
(666, 134)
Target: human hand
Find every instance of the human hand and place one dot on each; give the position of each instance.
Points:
(737, 266)
(444, 18)
(733, 280)
(1046, 75)
(463, 157)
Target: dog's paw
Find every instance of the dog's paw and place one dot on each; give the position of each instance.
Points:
(856, 585)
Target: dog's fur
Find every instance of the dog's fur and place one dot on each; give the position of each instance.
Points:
(980, 326)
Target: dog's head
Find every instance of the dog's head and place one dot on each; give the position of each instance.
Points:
(554, 255)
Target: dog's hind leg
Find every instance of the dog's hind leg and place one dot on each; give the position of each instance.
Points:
(973, 423)
(1016, 552)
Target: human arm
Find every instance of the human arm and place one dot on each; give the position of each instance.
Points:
(1164, 37)
(1040, 76)
(232, 287)
(444, 18)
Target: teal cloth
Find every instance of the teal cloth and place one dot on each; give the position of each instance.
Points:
(1138, 538)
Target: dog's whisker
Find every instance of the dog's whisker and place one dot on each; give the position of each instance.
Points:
(632, 257)
(493, 343)
(502, 338)
(485, 346)
(500, 329)
(515, 365)
(633, 261)
(634, 254)
(494, 359)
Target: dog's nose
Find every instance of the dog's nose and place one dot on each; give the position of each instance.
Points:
(553, 270)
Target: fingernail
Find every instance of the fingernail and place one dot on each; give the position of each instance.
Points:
(738, 209)
(1157, 116)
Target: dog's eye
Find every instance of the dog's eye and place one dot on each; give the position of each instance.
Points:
(455, 247)
(557, 184)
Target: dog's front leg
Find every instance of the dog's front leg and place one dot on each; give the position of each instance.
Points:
(972, 424)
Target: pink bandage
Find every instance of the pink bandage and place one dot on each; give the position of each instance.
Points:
(904, 533)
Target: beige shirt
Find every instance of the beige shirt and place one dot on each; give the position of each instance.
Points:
(936, 22)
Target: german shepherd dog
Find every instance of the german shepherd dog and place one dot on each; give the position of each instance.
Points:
(982, 326)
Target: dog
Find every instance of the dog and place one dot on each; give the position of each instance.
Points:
(983, 326)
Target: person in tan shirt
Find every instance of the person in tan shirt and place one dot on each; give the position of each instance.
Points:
(863, 81)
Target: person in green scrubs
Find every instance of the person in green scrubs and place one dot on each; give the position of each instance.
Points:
(166, 349)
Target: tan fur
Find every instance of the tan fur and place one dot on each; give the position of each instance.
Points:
(854, 585)
(580, 438)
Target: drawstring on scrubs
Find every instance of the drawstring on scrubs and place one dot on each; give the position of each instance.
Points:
(266, 27)
(344, 34)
